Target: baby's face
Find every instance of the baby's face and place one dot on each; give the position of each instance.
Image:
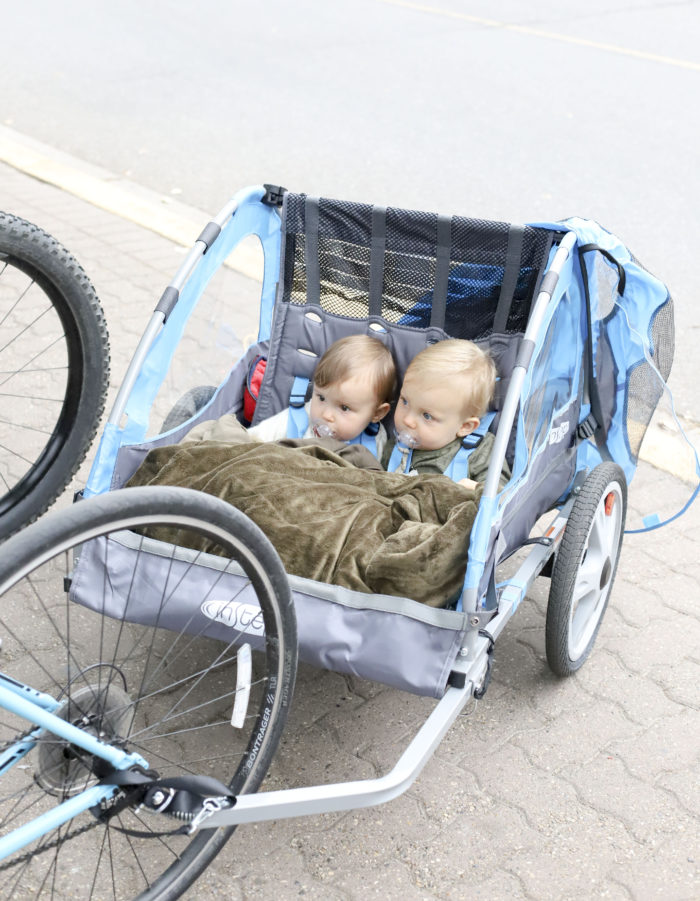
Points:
(347, 408)
(431, 415)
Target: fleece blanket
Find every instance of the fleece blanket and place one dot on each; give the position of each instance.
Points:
(330, 520)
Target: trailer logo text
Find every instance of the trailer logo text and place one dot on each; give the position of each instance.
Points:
(242, 617)
(559, 433)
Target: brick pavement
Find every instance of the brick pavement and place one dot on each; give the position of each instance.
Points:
(576, 789)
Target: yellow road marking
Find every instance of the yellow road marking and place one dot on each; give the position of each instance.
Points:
(550, 35)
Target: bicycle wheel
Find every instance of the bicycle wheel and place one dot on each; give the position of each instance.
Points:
(169, 694)
(54, 369)
(584, 568)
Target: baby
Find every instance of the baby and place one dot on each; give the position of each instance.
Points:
(353, 386)
(445, 393)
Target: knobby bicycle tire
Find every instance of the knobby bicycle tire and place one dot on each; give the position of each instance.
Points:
(54, 370)
(164, 690)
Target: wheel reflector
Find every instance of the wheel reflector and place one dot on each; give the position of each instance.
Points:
(240, 705)
(609, 503)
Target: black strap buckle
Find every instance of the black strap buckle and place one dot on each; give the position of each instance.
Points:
(587, 428)
(472, 440)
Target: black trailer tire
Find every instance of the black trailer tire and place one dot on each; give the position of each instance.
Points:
(187, 406)
(584, 569)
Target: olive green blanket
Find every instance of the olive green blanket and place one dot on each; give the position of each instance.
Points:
(361, 528)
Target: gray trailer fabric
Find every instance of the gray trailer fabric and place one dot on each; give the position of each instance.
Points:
(392, 640)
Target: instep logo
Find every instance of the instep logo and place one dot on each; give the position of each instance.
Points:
(242, 617)
(559, 433)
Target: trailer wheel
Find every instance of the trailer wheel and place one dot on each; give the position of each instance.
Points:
(584, 568)
(187, 406)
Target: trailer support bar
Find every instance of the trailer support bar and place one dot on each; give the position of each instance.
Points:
(294, 802)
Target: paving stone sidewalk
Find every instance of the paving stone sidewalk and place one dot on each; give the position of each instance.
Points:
(578, 789)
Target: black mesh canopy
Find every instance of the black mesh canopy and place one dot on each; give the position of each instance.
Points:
(467, 276)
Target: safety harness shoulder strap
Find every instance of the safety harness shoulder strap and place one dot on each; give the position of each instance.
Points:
(368, 438)
(401, 457)
(459, 465)
(298, 420)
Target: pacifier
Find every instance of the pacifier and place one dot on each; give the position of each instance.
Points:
(322, 429)
(406, 439)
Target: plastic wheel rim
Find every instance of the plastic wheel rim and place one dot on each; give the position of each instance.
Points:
(593, 582)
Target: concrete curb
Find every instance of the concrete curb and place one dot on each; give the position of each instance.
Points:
(159, 213)
(664, 448)
(182, 224)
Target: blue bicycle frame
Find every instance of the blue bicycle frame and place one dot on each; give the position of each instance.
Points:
(37, 707)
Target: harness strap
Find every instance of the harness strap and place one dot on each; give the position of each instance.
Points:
(516, 234)
(459, 465)
(376, 260)
(311, 260)
(298, 421)
(368, 438)
(401, 457)
(442, 271)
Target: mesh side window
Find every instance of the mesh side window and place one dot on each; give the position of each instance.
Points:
(662, 338)
(538, 407)
(644, 392)
(661, 331)
(604, 296)
(479, 251)
(522, 299)
(607, 281)
(472, 295)
(479, 242)
(554, 374)
(536, 244)
(644, 389)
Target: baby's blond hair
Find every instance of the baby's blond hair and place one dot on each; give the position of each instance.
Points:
(359, 355)
(461, 364)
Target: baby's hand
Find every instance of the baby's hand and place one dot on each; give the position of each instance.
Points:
(467, 483)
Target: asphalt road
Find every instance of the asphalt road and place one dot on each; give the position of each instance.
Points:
(497, 110)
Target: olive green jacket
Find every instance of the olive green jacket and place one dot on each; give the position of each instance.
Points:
(430, 462)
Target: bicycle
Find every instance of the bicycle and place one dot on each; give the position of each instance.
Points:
(54, 369)
(109, 728)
